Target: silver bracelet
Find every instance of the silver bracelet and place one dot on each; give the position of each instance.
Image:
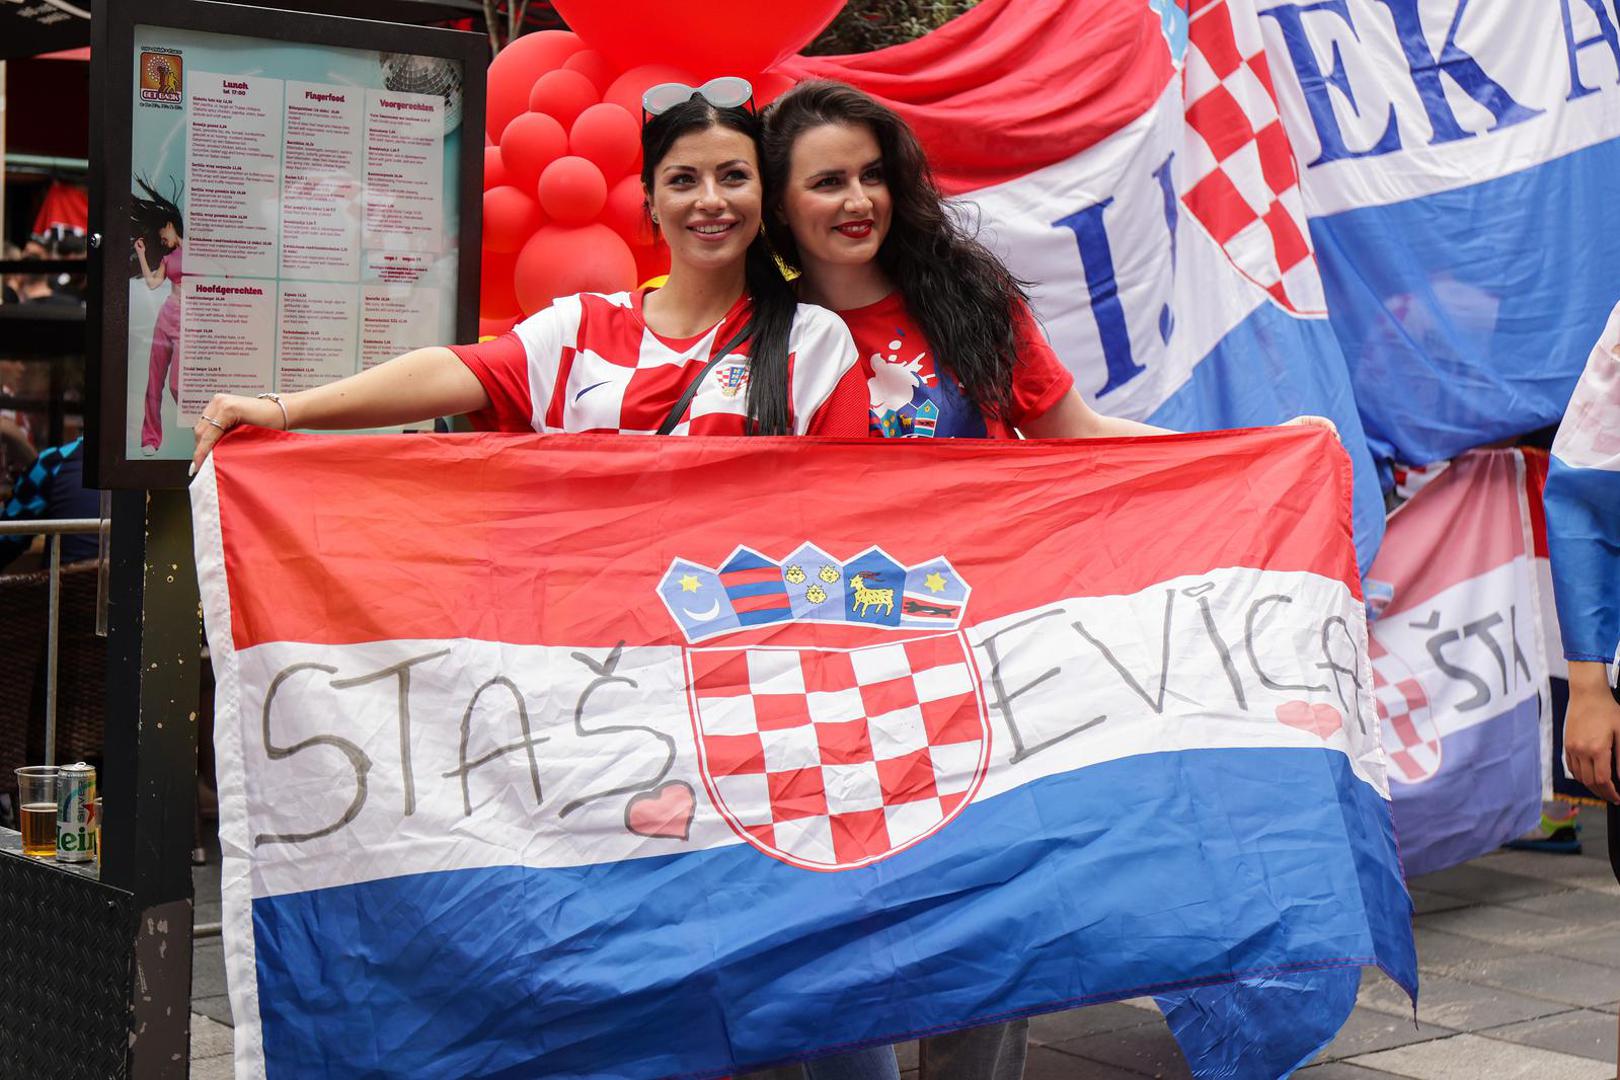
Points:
(285, 423)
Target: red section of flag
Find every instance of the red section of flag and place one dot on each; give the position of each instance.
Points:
(1013, 85)
(1459, 526)
(363, 538)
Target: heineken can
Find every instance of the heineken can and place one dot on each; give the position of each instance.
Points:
(76, 813)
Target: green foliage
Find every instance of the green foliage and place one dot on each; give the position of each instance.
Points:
(869, 25)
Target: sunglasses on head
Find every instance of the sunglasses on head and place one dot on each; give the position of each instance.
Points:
(725, 92)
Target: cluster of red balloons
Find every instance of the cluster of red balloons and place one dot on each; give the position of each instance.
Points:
(563, 204)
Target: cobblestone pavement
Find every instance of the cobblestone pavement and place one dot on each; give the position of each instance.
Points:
(1520, 962)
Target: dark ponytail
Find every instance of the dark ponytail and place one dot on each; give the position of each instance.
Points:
(772, 302)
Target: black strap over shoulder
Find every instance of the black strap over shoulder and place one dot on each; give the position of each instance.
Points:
(685, 400)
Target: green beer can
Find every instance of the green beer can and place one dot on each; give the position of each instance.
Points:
(75, 813)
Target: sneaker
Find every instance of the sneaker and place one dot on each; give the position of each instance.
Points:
(1555, 835)
(148, 450)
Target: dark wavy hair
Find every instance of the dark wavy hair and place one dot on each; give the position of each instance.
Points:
(772, 300)
(147, 216)
(965, 301)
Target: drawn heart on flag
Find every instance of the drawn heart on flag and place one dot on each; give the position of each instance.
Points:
(665, 812)
(1320, 719)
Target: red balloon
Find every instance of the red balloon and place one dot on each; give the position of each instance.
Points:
(626, 212)
(608, 136)
(728, 42)
(769, 86)
(560, 261)
(529, 144)
(510, 218)
(572, 191)
(488, 328)
(497, 298)
(594, 66)
(514, 70)
(627, 89)
(563, 95)
(495, 173)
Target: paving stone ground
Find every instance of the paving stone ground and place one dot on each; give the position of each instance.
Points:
(1519, 956)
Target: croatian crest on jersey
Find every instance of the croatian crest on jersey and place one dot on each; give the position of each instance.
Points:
(1411, 739)
(828, 757)
(732, 378)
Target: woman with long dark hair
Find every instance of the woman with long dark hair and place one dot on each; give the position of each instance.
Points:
(708, 353)
(156, 223)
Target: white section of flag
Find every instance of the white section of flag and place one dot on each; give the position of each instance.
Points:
(1483, 626)
(312, 788)
(1519, 45)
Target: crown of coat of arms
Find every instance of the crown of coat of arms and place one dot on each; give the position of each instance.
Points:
(750, 590)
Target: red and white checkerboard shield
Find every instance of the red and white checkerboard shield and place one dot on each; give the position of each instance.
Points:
(1411, 739)
(835, 758)
(1240, 179)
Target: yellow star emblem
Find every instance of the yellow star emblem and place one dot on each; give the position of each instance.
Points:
(688, 583)
(935, 582)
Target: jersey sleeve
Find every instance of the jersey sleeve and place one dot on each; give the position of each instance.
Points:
(516, 370)
(1039, 378)
(829, 394)
(846, 413)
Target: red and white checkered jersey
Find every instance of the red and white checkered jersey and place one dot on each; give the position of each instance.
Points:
(590, 363)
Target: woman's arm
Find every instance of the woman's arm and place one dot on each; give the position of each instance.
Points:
(153, 278)
(419, 385)
(1072, 418)
(1592, 728)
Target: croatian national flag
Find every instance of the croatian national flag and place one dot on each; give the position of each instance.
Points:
(511, 788)
(1583, 509)
(1459, 662)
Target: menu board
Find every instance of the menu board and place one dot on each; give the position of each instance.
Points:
(293, 219)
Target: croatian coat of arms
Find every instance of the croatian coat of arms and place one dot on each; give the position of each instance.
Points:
(831, 757)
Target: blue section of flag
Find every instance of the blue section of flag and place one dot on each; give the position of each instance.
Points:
(696, 599)
(815, 568)
(1488, 791)
(878, 573)
(1465, 316)
(1272, 367)
(715, 961)
(1583, 539)
(1262, 1028)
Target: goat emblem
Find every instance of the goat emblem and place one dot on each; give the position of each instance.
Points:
(865, 598)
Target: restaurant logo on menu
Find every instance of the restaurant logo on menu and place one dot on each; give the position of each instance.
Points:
(163, 77)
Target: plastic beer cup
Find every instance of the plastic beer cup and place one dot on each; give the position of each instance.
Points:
(36, 791)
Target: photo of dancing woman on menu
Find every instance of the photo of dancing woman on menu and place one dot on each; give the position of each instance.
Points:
(158, 231)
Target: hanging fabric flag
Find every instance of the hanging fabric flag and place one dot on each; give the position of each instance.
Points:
(513, 783)
(1459, 663)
